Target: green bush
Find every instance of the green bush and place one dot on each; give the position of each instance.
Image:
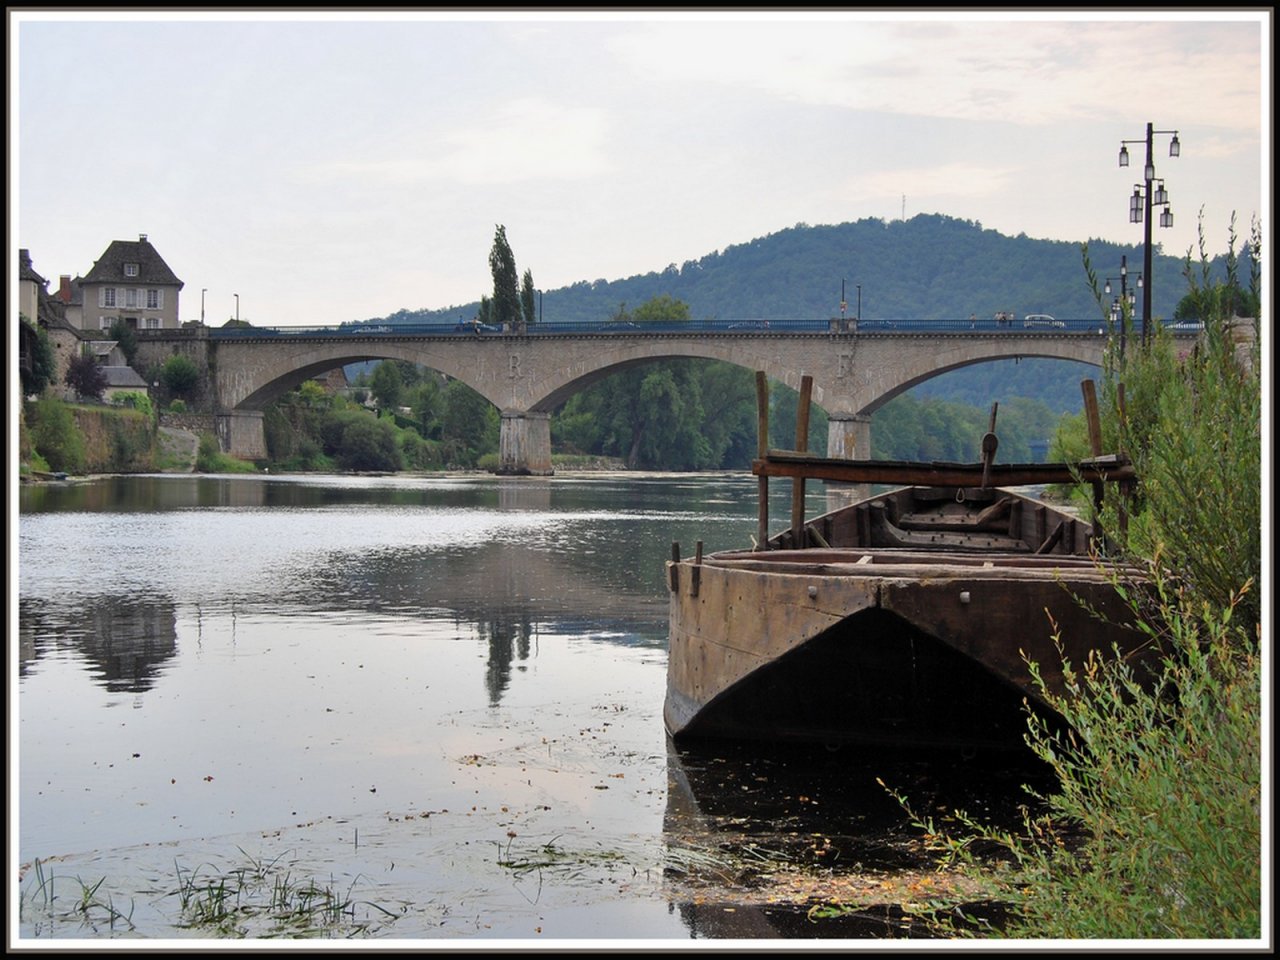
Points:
(419, 454)
(55, 436)
(180, 376)
(138, 401)
(211, 459)
(369, 444)
(177, 406)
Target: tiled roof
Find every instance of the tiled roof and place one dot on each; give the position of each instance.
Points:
(109, 268)
(28, 272)
(123, 377)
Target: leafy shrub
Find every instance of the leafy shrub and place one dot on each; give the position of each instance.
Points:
(138, 401)
(180, 376)
(56, 437)
(369, 444)
(1155, 828)
(84, 375)
(211, 459)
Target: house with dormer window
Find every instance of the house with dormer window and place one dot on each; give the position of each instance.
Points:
(130, 281)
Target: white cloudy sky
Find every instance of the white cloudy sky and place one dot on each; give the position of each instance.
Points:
(330, 167)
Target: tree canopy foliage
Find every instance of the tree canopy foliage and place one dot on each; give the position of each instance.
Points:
(85, 376)
(44, 367)
(505, 307)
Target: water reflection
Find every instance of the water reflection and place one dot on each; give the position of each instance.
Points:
(508, 641)
(450, 662)
(813, 826)
(124, 640)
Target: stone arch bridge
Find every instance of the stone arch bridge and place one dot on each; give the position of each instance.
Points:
(528, 376)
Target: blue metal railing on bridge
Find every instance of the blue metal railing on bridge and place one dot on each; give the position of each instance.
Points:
(755, 327)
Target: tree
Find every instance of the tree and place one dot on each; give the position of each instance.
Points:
(43, 365)
(369, 444)
(180, 376)
(505, 308)
(527, 300)
(661, 309)
(467, 424)
(84, 376)
(126, 339)
(386, 385)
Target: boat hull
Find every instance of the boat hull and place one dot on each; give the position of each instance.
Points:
(880, 645)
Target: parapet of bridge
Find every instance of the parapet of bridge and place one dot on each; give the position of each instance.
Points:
(528, 376)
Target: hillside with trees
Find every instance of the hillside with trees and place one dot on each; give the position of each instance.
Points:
(928, 267)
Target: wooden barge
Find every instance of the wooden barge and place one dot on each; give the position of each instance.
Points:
(905, 619)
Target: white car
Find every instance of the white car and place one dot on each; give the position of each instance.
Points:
(1041, 320)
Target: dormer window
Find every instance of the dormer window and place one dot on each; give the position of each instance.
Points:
(130, 269)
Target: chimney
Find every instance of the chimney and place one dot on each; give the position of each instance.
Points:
(142, 238)
(64, 288)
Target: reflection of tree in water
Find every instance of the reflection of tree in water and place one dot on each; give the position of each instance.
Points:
(508, 640)
(124, 640)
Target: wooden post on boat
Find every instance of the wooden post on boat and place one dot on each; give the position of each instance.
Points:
(1095, 436)
(802, 446)
(989, 444)
(762, 451)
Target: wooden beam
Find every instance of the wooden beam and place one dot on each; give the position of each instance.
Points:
(762, 450)
(802, 445)
(791, 463)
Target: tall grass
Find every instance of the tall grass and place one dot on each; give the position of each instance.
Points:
(1155, 828)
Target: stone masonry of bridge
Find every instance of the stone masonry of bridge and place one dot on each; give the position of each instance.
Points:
(529, 377)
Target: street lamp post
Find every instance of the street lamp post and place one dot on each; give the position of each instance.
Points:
(857, 316)
(1140, 205)
(1122, 307)
(203, 291)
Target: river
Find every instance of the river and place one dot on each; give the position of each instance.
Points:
(415, 708)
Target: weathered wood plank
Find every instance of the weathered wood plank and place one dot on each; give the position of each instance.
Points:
(788, 463)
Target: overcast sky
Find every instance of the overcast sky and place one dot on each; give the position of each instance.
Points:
(330, 167)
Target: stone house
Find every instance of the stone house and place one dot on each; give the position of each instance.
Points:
(129, 281)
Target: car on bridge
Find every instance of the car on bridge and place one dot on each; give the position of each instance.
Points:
(1041, 320)
(475, 326)
(750, 325)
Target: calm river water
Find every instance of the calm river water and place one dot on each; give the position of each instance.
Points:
(432, 703)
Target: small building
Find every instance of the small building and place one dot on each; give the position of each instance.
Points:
(130, 281)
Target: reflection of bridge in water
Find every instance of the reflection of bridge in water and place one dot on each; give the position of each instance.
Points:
(529, 375)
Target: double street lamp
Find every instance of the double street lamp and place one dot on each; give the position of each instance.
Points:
(1122, 306)
(1140, 204)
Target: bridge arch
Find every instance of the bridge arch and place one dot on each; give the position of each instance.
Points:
(527, 377)
(913, 378)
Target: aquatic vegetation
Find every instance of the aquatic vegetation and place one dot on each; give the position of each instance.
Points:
(89, 908)
(265, 899)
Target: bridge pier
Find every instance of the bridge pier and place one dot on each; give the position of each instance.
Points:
(241, 434)
(524, 445)
(849, 436)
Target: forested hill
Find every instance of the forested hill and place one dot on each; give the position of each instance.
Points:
(928, 267)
